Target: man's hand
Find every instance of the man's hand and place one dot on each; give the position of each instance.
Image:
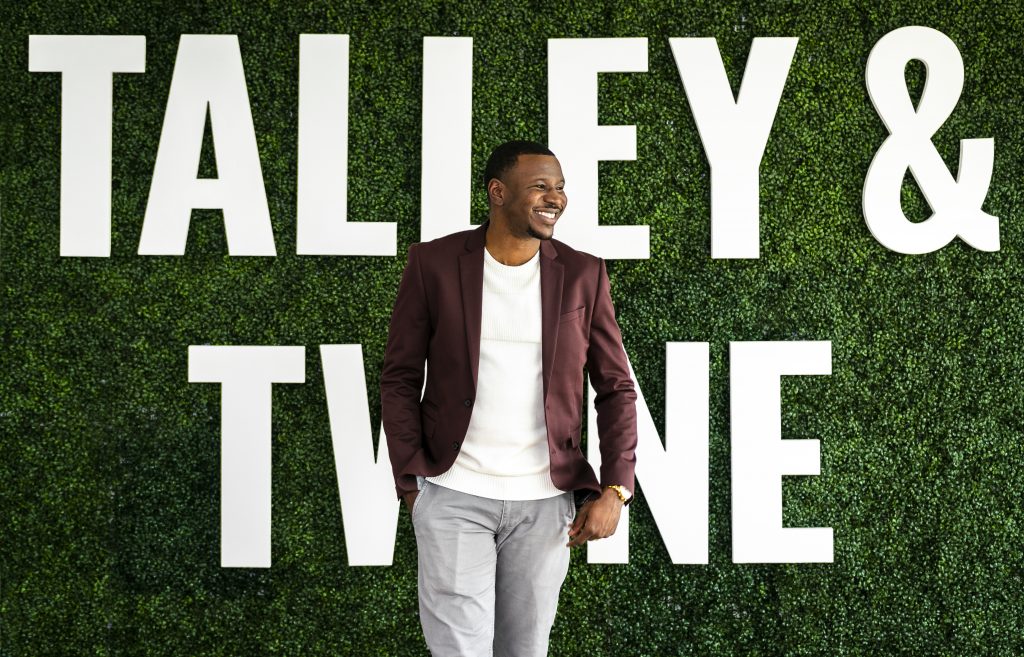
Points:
(409, 498)
(596, 519)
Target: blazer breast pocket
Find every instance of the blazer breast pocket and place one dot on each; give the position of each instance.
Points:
(572, 339)
(571, 316)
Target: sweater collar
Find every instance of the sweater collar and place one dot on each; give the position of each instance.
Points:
(476, 239)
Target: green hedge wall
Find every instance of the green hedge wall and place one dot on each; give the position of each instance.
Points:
(110, 458)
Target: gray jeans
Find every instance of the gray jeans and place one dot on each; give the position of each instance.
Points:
(489, 571)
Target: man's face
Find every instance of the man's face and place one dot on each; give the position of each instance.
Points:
(533, 196)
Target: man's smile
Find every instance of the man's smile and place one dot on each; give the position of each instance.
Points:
(548, 215)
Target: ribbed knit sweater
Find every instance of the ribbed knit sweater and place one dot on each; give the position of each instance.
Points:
(505, 452)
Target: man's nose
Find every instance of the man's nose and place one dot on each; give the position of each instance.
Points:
(554, 197)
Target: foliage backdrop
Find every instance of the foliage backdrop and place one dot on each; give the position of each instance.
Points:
(110, 458)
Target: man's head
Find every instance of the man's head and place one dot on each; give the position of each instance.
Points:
(525, 188)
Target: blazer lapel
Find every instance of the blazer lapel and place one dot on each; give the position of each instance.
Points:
(551, 274)
(471, 276)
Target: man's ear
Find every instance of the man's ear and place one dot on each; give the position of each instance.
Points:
(496, 192)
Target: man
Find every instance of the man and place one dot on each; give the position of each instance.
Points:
(489, 460)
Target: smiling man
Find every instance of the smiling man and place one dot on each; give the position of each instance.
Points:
(488, 461)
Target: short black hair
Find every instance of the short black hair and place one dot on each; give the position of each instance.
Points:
(504, 157)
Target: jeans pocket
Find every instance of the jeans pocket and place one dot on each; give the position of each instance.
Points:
(419, 497)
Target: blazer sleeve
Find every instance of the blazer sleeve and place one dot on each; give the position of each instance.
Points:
(401, 380)
(615, 400)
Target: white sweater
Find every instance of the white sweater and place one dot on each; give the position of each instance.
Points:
(505, 452)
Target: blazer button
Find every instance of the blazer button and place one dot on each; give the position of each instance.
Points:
(468, 402)
(455, 445)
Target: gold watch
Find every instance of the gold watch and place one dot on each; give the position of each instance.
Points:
(622, 493)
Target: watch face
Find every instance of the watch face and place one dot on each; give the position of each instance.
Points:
(624, 494)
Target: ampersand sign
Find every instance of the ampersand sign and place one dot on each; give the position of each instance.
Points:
(955, 204)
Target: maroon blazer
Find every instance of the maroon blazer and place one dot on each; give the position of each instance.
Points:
(436, 319)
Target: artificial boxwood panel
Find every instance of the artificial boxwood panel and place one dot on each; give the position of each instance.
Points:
(110, 458)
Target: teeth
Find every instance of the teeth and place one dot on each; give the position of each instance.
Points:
(549, 215)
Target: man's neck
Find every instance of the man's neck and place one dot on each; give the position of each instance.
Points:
(506, 248)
